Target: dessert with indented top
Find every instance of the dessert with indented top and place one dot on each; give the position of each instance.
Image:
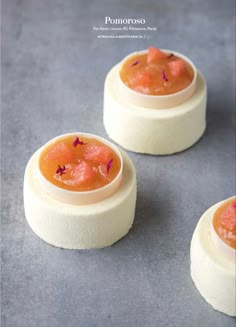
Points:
(213, 256)
(80, 192)
(155, 102)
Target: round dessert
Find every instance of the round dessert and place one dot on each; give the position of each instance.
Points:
(213, 256)
(155, 102)
(80, 192)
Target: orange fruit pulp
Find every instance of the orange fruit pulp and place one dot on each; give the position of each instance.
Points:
(224, 222)
(156, 73)
(79, 163)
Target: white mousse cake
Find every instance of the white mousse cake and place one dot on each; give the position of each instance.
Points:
(91, 201)
(152, 123)
(213, 256)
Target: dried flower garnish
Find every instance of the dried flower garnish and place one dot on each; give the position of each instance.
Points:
(134, 63)
(164, 76)
(61, 170)
(170, 55)
(109, 164)
(78, 142)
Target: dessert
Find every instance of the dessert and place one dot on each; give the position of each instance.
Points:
(213, 256)
(80, 192)
(155, 102)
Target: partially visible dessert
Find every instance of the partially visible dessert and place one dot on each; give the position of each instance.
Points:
(224, 223)
(155, 102)
(80, 192)
(213, 256)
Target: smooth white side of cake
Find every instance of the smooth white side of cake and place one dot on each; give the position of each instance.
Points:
(80, 226)
(153, 131)
(213, 274)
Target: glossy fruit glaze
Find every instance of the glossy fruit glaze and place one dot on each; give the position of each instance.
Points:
(79, 163)
(224, 222)
(156, 73)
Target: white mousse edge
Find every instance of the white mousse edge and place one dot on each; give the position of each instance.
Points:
(153, 131)
(73, 226)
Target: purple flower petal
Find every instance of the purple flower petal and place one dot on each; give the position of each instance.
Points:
(61, 170)
(78, 142)
(134, 63)
(164, 76)
(109, 164)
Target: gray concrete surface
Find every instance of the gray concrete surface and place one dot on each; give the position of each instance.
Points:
(53, 70)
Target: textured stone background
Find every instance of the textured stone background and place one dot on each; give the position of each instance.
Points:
(53, 70)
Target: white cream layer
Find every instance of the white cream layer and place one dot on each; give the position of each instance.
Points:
(80, 226)
(153, 131)
(213, 273)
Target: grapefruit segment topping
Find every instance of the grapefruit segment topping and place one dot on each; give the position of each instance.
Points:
(82, 173)
(99, 154)
(176, 67)
(142, 78)
(155, 54)
(59, 153)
